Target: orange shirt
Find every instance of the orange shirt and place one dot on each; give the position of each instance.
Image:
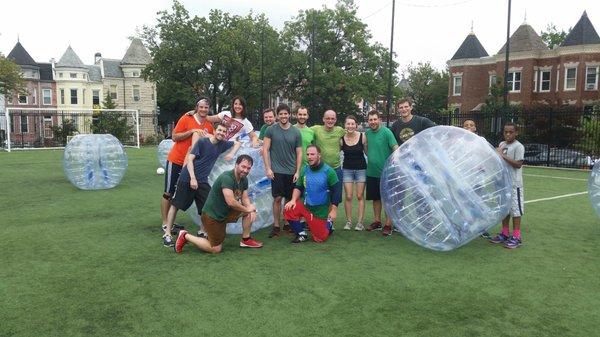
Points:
(186, 123)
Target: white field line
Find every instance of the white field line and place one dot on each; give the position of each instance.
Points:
(556, 197)
(553, 177)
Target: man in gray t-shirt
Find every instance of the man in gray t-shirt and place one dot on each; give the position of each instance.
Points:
(282, 154)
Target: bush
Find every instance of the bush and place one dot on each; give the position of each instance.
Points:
(62, 132)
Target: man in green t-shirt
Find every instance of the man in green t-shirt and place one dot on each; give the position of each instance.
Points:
(269, 119)
(380, 144)
(327, 138)
(308, 135)
(226, 202)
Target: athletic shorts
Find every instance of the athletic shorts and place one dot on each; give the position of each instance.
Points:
(215, 230)
(373, 190)
(517, 208)
(354, 176)
(172, 172)
(282, 186)
(185, 195)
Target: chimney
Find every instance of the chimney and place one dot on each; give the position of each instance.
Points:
(97, 58)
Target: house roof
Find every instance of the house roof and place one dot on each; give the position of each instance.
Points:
(582, 33)
(524, 39)
(20, 56)
(45, 71)
(470, 48)
(70, 60)
(136, 53)
(112, 68)
(94, 73)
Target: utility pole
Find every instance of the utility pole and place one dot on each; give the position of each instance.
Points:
(389, 94)
(506, 60)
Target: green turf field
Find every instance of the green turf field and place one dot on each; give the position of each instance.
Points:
(91, 263)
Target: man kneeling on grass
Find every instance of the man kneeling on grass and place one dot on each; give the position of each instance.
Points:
(226, 202)
(319, 188)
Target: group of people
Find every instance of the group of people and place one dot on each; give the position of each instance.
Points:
(308, 176)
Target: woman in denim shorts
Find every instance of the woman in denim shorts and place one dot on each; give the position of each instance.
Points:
(354, 170)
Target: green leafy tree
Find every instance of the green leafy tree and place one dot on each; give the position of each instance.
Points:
(552, 36)
(63, 131)
(10, 77)
(427, 87)
(111, 122)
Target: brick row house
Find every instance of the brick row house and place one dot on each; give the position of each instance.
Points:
(565, 75)
(70, 85)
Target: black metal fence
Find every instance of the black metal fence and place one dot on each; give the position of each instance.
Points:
(557, 138)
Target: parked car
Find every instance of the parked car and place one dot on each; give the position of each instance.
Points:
(535, 154)
(539, 154)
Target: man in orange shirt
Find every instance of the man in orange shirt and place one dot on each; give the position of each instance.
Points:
(186, 126)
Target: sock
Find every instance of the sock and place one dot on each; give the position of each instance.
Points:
(303, 233)
(296, 226)
(505, 231)
(517, 233)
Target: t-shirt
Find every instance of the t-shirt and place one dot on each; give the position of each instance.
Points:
(380, 145)
(329, 142)
(317, 183)
(263, 129)
(235, 126)
(403, 131)
(283, 148)
(215, 205)
(206, 155)
(180, 148)
(514, 151)
(308, 137)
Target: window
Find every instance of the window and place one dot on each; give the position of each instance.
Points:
(544, 80)
(113, 91)
(457, 85)
(135, 73)
(47, 126)
(60, 75)
(46, 96)
(73, 96)
(96, 97)
(493, 80)
(514, 81)
(136, 93)
(23, 98)
(591, 78)
(83, 96)
(84, 76)
(536, 75)
(34, 96)
(73, 75)
(24, 124)
(570, 78)
(62, 96)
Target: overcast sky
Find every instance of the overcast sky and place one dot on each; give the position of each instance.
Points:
(425, 30)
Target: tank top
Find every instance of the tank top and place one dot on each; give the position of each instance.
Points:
(354, 158)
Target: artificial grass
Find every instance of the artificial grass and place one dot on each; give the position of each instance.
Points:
(91, 263)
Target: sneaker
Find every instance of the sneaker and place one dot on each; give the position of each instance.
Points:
(348, 225)
(180, 242)
(300, 239)
(500, 238)
(387, 231)
(275, 231)
(250, 243)
(176, 228)
(486, 235)
(202, 234)
(359, 227)
(374, 226)
(167, 240)
(330, 226)
(512, 243)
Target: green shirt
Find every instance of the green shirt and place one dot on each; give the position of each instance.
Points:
(329, 142)
(308, 137)
(380, 145)
(215, 205)
(263, 129)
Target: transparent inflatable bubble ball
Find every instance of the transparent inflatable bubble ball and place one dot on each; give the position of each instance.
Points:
(444, 187)
(162, 152)
(594, 187)
(94, 162)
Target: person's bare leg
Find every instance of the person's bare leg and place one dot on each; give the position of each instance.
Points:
(377, 210)
(164, 209)
(348, 201)
(203, 244)
(360, 193)
(170, 219)
(246, 226)
(276, 211)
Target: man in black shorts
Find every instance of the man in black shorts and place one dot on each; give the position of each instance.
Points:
(282, 154)
(193, 180)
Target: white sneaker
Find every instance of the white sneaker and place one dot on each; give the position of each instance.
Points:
(359, 227)
(348, 225)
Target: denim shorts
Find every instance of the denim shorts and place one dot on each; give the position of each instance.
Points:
(354, 176)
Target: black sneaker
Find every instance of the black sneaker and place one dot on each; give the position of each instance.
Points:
(176, 228)
(300, 239)
(275, 231)
(168, 241)
(202, 234)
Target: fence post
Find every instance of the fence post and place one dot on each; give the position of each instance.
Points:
(137, 125)
(550, 137)
(8, 124)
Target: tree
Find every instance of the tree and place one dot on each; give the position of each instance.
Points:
(427, 87)
(346, 67)
(552, 36)
(10, 77)
(111, 122)
(62, 132)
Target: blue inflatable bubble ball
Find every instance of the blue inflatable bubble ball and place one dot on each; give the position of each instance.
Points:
(163, 150)
(259, 190)
(94, 162)
(444, 187)
(594, 187)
